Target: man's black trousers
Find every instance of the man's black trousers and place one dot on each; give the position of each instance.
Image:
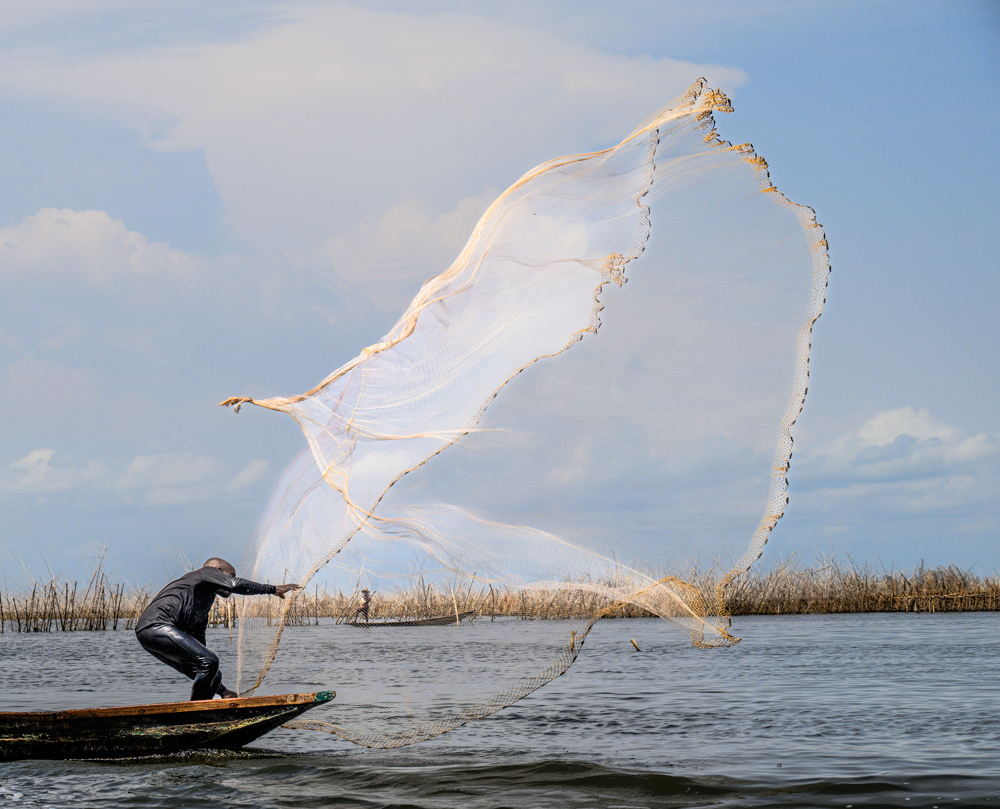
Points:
(191, 658)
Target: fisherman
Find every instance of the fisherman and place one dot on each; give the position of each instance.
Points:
(363, 609)
(172, 627)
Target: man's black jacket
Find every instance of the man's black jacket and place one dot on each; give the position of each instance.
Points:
(185, 603)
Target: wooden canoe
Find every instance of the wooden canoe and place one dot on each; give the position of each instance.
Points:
(145, 730)
(435, 620)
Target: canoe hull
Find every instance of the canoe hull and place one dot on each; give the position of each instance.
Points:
(436, 620)
(146, 730)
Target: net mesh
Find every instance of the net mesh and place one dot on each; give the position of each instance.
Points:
(537, 444)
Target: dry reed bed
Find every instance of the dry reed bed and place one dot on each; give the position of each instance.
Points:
(425, 600)
(848, 587)
(60, 606)
(834, 587)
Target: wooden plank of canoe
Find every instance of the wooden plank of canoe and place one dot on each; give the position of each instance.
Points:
(162, 708)
(141, 730)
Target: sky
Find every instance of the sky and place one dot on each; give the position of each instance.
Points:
(200, 201)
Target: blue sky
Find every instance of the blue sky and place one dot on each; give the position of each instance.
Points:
(198, 203)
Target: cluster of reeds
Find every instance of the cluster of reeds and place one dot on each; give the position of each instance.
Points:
(59, 606)
(310, 605)
(427, 600)
(833, 586)
(307, 607)
(838, 586)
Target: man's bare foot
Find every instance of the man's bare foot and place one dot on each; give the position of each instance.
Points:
(225, 693)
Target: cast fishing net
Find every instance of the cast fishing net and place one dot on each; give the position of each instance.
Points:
(537, 444)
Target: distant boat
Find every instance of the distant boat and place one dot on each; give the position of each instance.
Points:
(435, 620)
(145, 730)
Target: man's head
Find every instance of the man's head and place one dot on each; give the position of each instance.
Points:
(221, 564)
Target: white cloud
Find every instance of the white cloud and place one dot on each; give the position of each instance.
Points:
(308, 124)
(158, 479)
(170, 478)
(251, 473)
(890, 424)
(384, 255)
(184, 477)
(115, 350)
(33, 475)
(85, 244)
(905, 443)
(902, 461)
(34, 463)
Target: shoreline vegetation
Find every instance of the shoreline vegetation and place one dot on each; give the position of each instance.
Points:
(833, 587)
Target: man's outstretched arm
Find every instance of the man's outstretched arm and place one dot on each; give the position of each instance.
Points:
(245, 587)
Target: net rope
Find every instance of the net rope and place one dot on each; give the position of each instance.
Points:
(537, 444)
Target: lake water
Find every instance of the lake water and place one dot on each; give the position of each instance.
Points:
(831, 711)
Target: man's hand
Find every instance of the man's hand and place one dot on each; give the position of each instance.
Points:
(281, 589)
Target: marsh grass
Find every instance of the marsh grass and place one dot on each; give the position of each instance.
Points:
(836, 586)
(425, 600)
(58, 606)
(832, 586)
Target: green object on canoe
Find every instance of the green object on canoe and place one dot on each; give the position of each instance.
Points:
(145, 730)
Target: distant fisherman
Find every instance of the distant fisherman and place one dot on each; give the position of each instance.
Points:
(362, 611)
(172, 627)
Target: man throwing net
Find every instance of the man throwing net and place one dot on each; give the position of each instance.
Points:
(172, 627)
